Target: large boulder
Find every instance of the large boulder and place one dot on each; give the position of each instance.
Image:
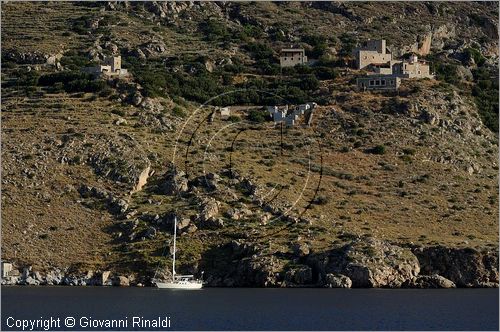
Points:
(213, 223)
(117, 205)
(54, 277)
(209, 210)
(121, 281)
(103, 278)
(337, 281)
(429, 281)
(300, 249)
(175, 182)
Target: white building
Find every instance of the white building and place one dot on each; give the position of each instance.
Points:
(290, 116)
(6, 269)
(225, 112)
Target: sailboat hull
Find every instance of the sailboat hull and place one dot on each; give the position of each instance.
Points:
(174, 285)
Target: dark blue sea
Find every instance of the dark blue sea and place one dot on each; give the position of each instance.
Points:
(91, 308)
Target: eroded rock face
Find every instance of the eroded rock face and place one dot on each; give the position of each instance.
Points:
(301, 275)
(259, 271)
(142, 179)
(375, 263)
(368, 262)
(466, 267)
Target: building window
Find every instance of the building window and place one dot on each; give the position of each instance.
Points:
(372, 82)
(382, 82)
(377, 82)
(391, 82)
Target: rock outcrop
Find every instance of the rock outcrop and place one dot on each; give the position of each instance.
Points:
(337, 281)
(174, 183)
(142, 179)
(369, 262)
(429, 281)
(465, 267)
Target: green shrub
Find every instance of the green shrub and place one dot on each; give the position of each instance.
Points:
(79, 25)
(475, 54)
(325, 73)
(178, 111)
(63, 77)
(8, 64)
(485, 94)
(377, 149)
(318, 43)
(309, 82)
(303, 69)
(447, 73)
(214, 30)
(119, 112)
(106, 92)
(234, 118)
(258, 116)
(72, 81)
(260, 51)
(347, 44)
(74, 60)
(266, 67)
(409, 151)
(321, 200)
(28, 78)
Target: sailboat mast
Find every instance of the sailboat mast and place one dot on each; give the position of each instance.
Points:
(175, 236)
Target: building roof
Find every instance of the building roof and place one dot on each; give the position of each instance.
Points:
(292, 50)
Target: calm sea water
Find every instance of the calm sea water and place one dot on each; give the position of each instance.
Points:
(257, 309)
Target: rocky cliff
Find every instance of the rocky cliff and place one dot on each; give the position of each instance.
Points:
(364, 263)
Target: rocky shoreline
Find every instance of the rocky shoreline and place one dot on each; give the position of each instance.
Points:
(363, 263)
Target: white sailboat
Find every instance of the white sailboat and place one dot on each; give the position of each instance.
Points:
(179, 281)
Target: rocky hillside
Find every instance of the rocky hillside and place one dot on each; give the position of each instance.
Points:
(382, 190)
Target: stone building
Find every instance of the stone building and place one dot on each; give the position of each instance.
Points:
(384, 72)
(412, 68)
(372, 52)
(290, 57)
(378, 82)
(112, 67)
